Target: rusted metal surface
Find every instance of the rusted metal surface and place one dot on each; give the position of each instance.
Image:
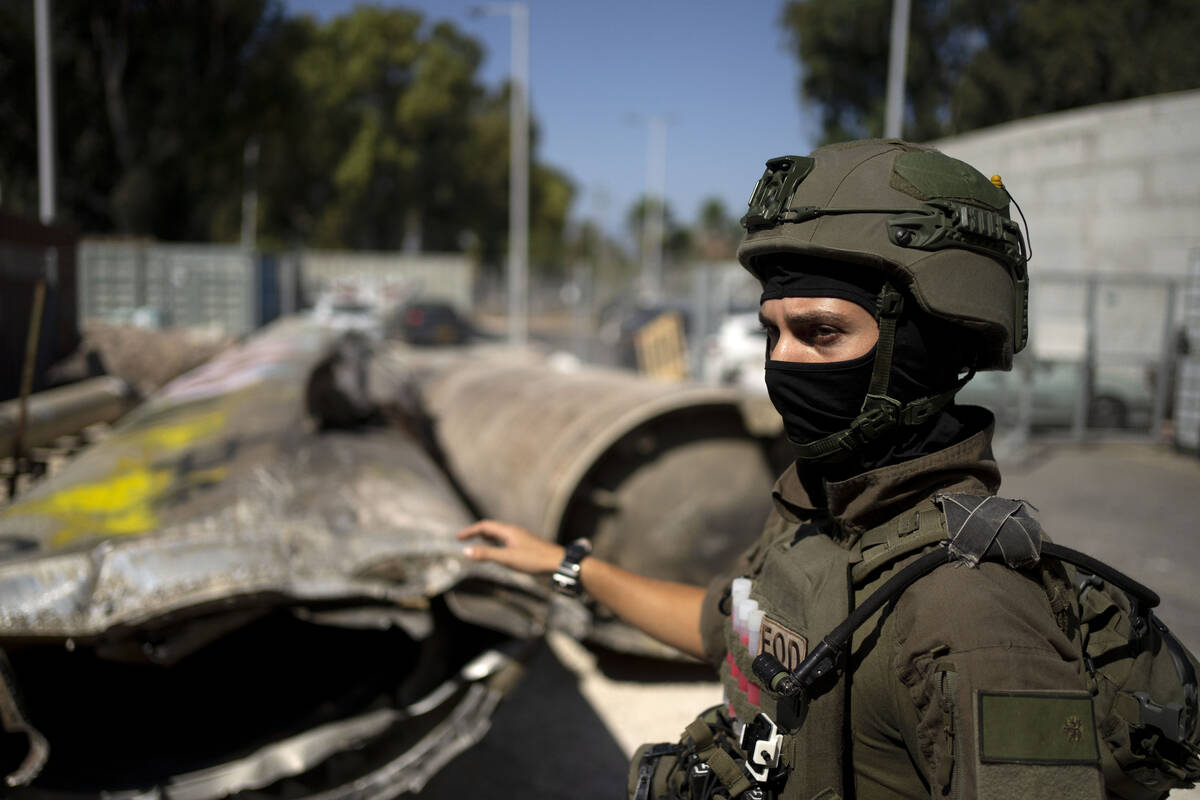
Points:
(224, 595)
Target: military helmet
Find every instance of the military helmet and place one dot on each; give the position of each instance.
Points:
(933, 224)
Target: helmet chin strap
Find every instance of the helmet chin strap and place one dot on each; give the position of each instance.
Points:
(880, 413)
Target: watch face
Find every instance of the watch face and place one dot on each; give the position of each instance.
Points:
(566, 583)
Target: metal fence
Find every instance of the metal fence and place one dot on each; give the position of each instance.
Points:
(1104, 356)
(234, 291)
(1107, 352)
(1120, 334)
(1187, 340)
(168, 285)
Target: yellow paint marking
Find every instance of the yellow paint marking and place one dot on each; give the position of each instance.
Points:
(180, 435)
(125, 502)
(122, 504)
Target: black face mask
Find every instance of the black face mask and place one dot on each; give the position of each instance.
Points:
(816, 400)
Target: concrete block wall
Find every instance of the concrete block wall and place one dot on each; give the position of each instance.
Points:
(1112, 192)
(1113, 188)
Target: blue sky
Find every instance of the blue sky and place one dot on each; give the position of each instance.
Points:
(718, 69)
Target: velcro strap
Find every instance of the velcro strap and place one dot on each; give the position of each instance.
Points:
(991, 528)
(700, 734)
(890, 552)
(647, 766)
(728, 772)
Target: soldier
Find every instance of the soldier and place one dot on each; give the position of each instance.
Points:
(890, 273)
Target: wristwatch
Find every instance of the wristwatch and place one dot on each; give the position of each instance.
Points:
(566, 577)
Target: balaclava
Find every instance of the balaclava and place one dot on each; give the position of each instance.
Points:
(817, 400)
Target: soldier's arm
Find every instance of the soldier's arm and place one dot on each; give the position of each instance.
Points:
(1000, 706)
(667, 611)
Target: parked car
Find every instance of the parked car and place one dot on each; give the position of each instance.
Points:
(430, 322)
(734, 355)
(349, 312)
(1120, 397)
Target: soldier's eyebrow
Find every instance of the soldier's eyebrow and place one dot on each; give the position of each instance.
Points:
(814, 317)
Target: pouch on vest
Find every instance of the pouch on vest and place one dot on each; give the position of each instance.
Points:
(1144, 688)
(704, 764)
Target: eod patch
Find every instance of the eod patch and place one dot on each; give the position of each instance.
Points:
(789, 647)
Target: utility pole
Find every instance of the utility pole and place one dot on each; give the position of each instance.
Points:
(518, 168)
(45, 110)
(654, 210)
(893, 124)
(45, 129)
(250, 193)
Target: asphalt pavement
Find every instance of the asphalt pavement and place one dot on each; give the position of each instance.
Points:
(570, 726)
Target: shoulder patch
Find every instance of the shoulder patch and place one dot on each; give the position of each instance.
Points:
(1037, 728)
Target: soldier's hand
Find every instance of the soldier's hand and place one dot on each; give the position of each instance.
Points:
(512, 546)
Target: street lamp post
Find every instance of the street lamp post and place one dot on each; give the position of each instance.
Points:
(45, 110)
(654, 208)
(893, 113)
(656, 185)
(518, 167)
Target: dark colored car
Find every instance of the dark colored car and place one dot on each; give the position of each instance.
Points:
(432, 323)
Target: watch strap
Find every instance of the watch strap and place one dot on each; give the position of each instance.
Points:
(566, 578)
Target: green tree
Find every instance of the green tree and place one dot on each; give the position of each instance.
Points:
(973, 63)
(676, 239)
(373, 128)
(388, 111)
(154, 100)
(716, 233)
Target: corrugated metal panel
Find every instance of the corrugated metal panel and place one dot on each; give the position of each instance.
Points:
(187, 285)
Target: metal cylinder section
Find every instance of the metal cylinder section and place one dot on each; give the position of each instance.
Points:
(65, 410)
(664, 477)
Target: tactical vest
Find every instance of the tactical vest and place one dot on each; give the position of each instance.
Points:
(803, 581)
(791, 569)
